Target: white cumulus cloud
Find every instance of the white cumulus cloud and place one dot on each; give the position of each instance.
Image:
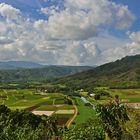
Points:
(127, 49)
(68, 36)
(83, 19)
(9, 12)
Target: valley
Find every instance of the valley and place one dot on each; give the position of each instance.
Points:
(70, 103)
(64, 106)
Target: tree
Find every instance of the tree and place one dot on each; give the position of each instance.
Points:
(117, 100)
(97, 96)
(91, 130)
(23, 125)
(113, 118)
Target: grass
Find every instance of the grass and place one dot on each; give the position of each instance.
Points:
(47, 108)
(64, 112)
(126, 95)
(54, 108)
(19, 107)
(84, 112)
(65, 107)
(59, 101)
(27, 102)
(55, 95)
(21, 99)
(132, 95)
(47, 102)
(63, 115)
(25, 98)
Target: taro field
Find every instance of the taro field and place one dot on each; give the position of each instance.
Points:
(50, 104)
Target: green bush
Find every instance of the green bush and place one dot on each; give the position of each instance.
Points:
(91, 130)
(22, 125)
(113, 118)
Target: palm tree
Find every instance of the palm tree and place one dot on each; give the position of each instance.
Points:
(117, 100)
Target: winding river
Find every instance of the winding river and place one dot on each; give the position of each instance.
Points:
(87, 101)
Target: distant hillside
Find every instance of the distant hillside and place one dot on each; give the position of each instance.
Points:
(18, 64)
(124, 73)
(37, 74)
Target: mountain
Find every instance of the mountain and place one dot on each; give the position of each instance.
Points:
(6, 66)
(19, 64)
(39, 74)
(124, 73)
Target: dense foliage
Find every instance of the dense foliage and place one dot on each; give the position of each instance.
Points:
(99, 93)
(91, 130)
(133, 126)
(22, 125)
(113, 116)
(112, 119)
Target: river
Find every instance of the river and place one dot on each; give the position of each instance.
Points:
(87, 101)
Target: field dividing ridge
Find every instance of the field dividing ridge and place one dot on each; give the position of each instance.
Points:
(73, 118)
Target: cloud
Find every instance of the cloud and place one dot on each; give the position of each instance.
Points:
(135, 37)
(126, 49)
(123, 18)
(133, 47)
(81, 20)
(69, 36)
(4, 40)
(49, 10)
(79, 53)
(9, 12)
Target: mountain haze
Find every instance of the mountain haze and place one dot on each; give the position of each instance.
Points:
(19, 64)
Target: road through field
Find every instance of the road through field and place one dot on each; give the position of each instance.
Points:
(74, 116)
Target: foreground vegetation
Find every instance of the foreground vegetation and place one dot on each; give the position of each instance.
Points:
(113, 120)
(22, 125)
(109, 119)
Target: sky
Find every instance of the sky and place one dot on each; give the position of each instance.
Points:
(69, 32)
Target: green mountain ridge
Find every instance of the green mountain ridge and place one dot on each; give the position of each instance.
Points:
(12, 65)
(124, 73)
(39, 74)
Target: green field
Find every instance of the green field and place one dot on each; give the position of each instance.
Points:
(30, 100)
(26, 98)
(84, 112)
(64, 111)
(54, 107)
(130, 95)
(59, 101)
(21, 99)
(125, 95)
(47, 108)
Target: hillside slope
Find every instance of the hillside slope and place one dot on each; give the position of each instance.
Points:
(122, 73)
(39, 74)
